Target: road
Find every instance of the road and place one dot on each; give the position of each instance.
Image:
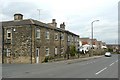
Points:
(103, 67)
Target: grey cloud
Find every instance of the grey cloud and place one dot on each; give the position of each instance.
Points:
(29, 10)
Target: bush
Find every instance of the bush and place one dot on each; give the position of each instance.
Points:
(110, 50)
(73, 50)
(46, 59)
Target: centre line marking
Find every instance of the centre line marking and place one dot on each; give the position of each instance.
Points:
(101, 71)
(111, 64)
(116, 61)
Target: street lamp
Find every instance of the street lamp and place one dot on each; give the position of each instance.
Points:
(92, 32)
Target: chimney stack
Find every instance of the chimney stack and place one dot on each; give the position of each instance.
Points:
(54, 22)
(18, 16)
(62, 26)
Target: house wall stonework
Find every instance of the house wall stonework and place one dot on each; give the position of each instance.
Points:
(20, 42)
(23, 43)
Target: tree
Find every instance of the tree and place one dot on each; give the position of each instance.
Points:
(73, 50)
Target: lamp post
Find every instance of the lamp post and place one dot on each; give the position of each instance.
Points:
(92, 33)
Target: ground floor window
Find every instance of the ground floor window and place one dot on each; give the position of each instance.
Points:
(62, 50)
(47, 51)
(56, 51)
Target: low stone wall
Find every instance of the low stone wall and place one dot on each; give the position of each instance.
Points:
(22, 60)
(18, 60)
(27, 59)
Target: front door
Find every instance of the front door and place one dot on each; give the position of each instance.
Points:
(37, 55)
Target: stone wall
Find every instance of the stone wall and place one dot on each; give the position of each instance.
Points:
(24, 43)
(20, 44)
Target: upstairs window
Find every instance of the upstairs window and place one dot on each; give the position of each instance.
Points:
(68, 38)
(72, 38)
(56, 36)
(47, 51)
(9, 34)
(47, 35)
(75, 39)
(38, 33)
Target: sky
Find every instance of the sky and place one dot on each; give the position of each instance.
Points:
(77, 15)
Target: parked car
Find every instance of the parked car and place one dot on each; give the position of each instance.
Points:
(108, 54)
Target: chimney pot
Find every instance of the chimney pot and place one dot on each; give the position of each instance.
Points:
(54, 23)
(53, 20)
(62, 26)
(18, 16)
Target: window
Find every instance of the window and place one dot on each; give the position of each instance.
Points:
(7, 51)
(68, 38)
(62, 50)
(37, 52)
(37, 33)
(9, 32)
(55, 50)
(47, 51)
(62, 36)
(75, 39)
(56, 36)
(72, 38)
(47, 35)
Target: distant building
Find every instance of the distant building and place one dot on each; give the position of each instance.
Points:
(35, 39)
(85, 41)
(114, 47)
(88, 41)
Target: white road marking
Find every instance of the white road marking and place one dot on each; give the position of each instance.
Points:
(111, 64)
(116, 61)
(101, 71)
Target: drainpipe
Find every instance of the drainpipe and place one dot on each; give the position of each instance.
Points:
(60, 44)
(31, 43)
(2, 45)
(68, 47)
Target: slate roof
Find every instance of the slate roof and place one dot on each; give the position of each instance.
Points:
(31, 22)
(22, 22)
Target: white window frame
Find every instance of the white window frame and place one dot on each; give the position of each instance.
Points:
(8, 52)
(68, 38)
(9, 31)
(56, 34)
(47, 51)
(56, 50)
(47, 35)
(62, 50)
(75, 39)
(72, 38)
(38, 33)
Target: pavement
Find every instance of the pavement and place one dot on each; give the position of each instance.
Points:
(92, 67)
(70, 61)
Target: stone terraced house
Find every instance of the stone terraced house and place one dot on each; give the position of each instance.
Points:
(34, 40)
